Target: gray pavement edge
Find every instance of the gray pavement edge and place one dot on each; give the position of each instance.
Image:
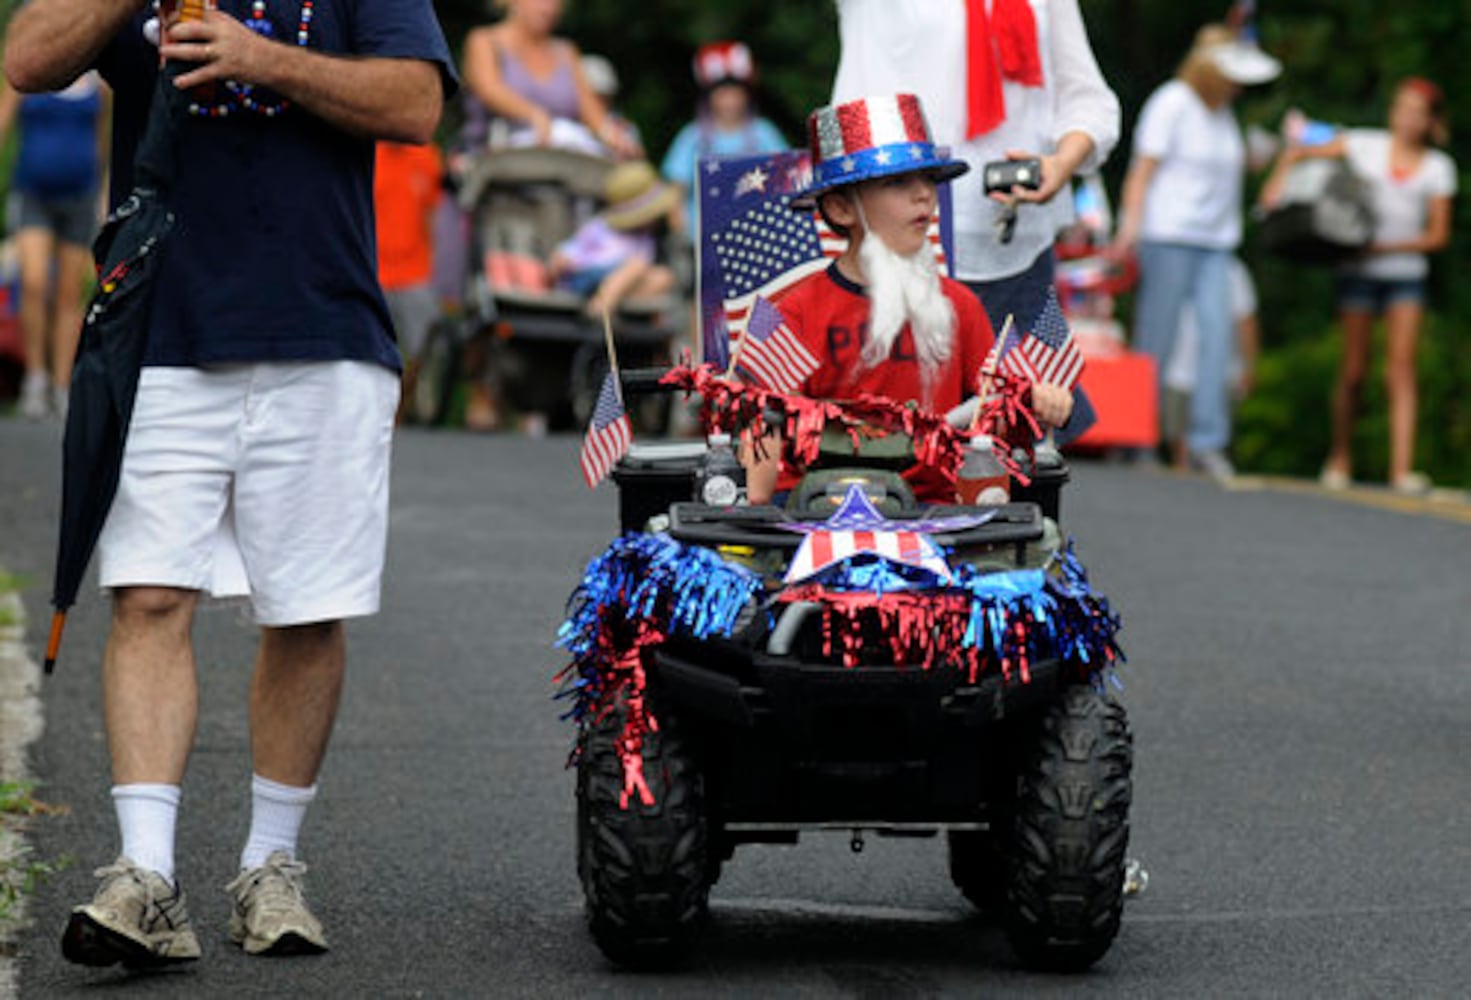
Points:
(21, 722)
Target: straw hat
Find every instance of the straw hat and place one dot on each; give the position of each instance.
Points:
(636, 196)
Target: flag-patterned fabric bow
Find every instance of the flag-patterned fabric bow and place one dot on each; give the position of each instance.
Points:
(857, 528)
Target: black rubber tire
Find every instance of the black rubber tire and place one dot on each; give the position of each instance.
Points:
(645, 869)
(978, 867)
(438, 370)
(1069, 835)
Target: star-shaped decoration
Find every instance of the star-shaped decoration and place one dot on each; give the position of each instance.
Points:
(752, 180)
(712, 167)
(915, 153)
(882, 157)
(848, 164)
(857, 528)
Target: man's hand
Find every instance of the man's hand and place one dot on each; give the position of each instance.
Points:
(222, 49)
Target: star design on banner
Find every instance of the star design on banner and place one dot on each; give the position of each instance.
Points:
(753, 180)
(712, 167)
(857, 528)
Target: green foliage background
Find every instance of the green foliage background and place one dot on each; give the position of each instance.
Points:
(1342, 59)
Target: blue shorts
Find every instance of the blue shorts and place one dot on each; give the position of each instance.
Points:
(70, 218)
(1357, 293)
(586, 282)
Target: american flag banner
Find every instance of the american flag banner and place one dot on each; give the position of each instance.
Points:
(772, 355)
(753, 245)
(1049, 349)
(608, 435)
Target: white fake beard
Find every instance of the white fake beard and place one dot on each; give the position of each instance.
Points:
(905, 290)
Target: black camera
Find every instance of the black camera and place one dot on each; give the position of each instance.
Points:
(1003, 175)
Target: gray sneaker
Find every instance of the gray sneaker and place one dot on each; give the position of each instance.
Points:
(1215, 464)
(270, 916)
(35, 403)
(136, 918)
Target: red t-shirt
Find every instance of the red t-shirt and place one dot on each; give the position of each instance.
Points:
(405, 193)
(830, 314)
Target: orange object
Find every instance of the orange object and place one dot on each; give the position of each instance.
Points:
(1124, 390)
(192, 10)
(406, 190)
(53, 642)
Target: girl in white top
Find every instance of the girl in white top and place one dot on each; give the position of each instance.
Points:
(1412, 184)
(1181, 209)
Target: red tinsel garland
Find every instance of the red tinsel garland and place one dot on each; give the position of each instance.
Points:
(625, 681)
(731, 405)
(922, 628)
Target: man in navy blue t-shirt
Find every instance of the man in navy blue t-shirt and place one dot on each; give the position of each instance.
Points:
(257, 459)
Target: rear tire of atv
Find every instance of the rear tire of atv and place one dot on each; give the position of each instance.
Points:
(1069, 835)
(645, 869)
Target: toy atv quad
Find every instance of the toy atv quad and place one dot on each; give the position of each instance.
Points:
(729, 699)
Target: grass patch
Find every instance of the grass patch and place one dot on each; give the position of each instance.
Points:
(21, 872)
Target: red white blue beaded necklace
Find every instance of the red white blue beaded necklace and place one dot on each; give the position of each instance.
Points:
(242, 95)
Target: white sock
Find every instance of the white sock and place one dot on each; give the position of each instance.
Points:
(276, 812)
(145, 818)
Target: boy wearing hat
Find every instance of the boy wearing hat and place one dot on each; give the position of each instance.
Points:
(882, 319)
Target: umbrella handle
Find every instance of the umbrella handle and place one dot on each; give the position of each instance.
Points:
(53, 643)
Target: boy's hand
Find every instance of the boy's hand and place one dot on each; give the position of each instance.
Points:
(1051, 404)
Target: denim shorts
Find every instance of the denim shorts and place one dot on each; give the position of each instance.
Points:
(70, 218)
(586, 281)
(1357, 293)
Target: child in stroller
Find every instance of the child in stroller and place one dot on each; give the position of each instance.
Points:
(612, 255)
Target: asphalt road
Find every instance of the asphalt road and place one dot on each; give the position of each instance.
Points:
(1299, 685)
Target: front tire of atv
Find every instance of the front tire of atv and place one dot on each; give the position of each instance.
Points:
(1069, 835)
(645, 869)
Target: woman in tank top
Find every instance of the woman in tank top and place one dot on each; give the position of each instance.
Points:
(519, 70)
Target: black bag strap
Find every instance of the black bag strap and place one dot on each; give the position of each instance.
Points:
(154, 161)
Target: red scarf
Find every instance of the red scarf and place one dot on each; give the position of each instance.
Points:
(1000, 45)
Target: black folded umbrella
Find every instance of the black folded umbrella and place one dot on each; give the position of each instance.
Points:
(110, 352)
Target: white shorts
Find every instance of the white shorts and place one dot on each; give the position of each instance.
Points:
(261, 480)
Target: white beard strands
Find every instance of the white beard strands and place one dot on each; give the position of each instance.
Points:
(905, 290)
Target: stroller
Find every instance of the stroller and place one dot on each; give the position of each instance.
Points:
(530, 341)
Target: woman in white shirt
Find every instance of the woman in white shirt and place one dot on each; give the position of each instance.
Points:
(1182, 210)
(998, 79)
(1412, 185)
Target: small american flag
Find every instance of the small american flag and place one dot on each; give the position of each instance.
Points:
(1005, 356)
(1048, 351)
(774, 356)
(608, 436)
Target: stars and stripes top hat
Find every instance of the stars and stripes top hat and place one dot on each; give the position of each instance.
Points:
(869, 138)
